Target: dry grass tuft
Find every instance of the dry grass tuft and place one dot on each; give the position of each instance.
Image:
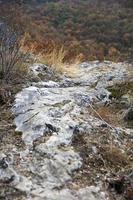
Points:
(108, 114)
(56, 59)
(113, 156)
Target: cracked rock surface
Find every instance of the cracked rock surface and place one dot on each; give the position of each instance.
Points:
(52, 111)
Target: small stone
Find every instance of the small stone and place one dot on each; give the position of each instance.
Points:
(129, 115)
(104, 125)
(3, 163)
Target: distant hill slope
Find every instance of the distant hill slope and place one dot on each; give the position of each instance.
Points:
(122, 2)
(91, 28)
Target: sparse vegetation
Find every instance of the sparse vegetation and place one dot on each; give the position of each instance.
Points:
(13, 68)
(11, 57)
(117, 91)
(103, 159)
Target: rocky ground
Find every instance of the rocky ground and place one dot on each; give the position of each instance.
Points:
(73, 137)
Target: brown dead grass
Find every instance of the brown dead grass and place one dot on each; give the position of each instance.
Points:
(56, 59)
(113, 156)
(53, 55)
(109, 115)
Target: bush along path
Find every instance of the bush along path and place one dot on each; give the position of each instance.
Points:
(70, 151)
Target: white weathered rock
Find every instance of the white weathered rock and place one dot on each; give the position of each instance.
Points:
(54, 109)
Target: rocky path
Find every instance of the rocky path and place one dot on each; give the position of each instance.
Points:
(47, 114)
